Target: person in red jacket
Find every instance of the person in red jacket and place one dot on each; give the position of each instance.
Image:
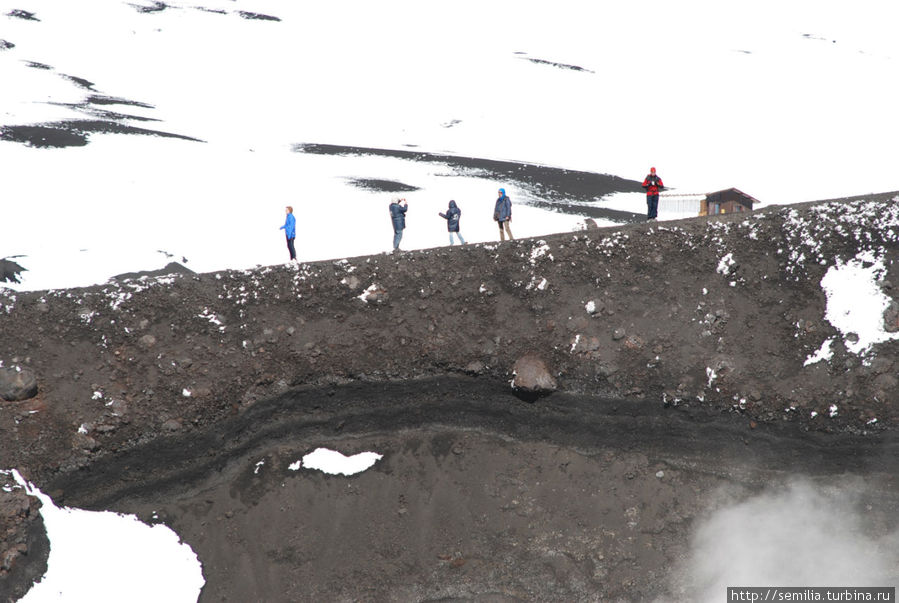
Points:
(651, 185)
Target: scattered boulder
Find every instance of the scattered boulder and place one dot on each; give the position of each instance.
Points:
(171, 425)
(595, 307)
(351, 281)
(84, 442)
(375, 295)
(634, 342)
(475, 367)
(532, 377)
(17, 384)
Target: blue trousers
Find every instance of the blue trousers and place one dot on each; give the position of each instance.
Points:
(397, 237)
(652, 206)
(291, 249)
(458, 234)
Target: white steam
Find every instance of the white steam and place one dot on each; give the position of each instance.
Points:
(800, 535)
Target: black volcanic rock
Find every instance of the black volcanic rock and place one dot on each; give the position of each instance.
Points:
(17, 384)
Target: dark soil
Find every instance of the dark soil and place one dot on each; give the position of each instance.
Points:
(184, 383)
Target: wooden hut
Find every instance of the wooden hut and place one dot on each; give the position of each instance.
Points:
(728, 201)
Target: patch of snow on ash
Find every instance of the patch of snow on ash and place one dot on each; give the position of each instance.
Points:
(725, 263)
(335, 463)
(539, 251)
(824, 353)
(855, 304)
(212, 318)
(364, 295)
(575, 341)
(105, 556)
(711, 374)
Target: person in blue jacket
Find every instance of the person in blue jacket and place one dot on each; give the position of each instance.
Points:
(502, 214)
(452, 216)
(398, 216)
(290, 230)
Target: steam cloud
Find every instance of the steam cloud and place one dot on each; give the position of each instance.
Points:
(800, 535)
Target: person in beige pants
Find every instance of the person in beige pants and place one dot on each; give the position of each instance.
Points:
(502, 215)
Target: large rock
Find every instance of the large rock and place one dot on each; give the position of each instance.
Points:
(17, 384)
(532, 376)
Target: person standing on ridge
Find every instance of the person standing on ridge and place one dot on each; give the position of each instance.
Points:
(452, 216)
(651, 185)
(398, 216)
(290, 231)
(502, 214)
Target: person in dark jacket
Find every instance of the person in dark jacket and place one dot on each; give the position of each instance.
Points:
(398, 216)
(651, 185)
(452, 216)
(502, 214)
(290, 230)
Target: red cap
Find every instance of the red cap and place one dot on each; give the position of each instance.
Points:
(653, 170)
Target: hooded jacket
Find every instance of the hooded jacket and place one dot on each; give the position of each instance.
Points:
(503, 210)
(398, 215)
(452, 216)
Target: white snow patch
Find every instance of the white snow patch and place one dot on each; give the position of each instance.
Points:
(725, 264)
(824, 353)
(711, 374)
(577, 340)
(541, 250)
(105, 556)
(335, 463)
(855, 304)
(211, 317)
(371, 289)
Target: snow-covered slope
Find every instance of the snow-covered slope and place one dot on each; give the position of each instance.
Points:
(131, 129)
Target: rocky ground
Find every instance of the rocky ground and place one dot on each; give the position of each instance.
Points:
(645, 376)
